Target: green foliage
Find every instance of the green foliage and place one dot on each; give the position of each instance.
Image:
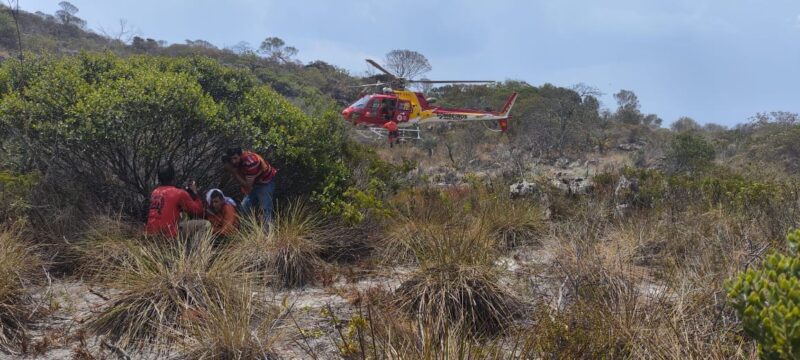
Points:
(767, 298)
(15, 192)
(111, 122)
(689, 152)
(371, 181)
(717, 188)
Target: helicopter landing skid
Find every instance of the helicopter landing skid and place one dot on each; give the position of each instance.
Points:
(405, 134)
(377, 134)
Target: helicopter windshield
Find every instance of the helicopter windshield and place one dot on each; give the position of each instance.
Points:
(361, 102)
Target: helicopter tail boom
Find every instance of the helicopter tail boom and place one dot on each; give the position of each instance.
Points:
(509, 104)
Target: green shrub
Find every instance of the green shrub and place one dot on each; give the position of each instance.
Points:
(15, 192)
(108, 123)
(767, 298)
(689, 152)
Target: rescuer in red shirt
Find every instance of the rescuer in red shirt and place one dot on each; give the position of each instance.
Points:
(391, 126)
(166, 204)
(256, 177)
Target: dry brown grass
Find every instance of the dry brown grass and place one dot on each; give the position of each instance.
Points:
(103, 246)
(646, 286)
(231, 329)
(19, 270)
(456, 283)
(288, 253)
(512, 223)
(161, 284)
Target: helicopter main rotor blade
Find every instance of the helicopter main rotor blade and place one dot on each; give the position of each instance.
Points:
(376, 65)
(367, 85)
(451, 81)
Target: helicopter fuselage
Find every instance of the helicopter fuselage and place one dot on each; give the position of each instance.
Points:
(408, 108)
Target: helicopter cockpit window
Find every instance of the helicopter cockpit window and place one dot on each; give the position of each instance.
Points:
(376, 105)
(361, 102)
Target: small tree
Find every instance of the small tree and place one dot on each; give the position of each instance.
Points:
(407, 63)
(689, 152)
(767, 298)
(275, 48)
(67, 14)
(685, 124)
(628, 110)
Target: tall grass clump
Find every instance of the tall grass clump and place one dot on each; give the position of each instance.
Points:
(19, 268)
(163, 283)
(288, 252)
(512, 223)
(381, 333)
(456, 283)
(103, 246)
(231, 329)
(415, 213)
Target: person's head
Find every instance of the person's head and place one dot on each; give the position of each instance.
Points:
(217, 201)
(234, 155)
(166, 175)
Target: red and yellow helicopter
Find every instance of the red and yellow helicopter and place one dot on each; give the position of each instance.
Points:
(408, 108)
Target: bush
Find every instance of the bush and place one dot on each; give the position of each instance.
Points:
(689, 152)
(767, 299)
(15, 193)
(109, 123)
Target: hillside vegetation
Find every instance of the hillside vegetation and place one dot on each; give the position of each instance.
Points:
(583, 232)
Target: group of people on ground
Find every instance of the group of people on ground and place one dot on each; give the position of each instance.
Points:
(215, 211)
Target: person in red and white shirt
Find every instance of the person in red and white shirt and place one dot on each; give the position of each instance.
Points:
(256, 177)
(167, 202)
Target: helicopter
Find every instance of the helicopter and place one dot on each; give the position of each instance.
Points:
(408, 108)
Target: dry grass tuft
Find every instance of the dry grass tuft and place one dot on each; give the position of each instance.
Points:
(289, 251)
(19, 268)
(512, 223)
(379, 331)
(162, 283)
(231, 329)
(104, 245)
(456, 283)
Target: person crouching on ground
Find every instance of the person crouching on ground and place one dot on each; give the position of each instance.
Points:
(256, 177)
(166, 204)
(221, 213)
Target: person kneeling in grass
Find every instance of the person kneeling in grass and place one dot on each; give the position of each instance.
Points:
(256, 177)
(167, 202)
(221, 213)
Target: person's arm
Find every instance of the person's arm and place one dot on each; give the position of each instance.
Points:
(193, 206)
(235, 174)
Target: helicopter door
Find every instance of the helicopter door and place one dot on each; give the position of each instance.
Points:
(403, 111)
(373, 108)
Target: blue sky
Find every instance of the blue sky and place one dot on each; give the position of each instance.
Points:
(713, 60)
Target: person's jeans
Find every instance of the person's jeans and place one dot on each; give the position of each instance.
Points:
(260, 195)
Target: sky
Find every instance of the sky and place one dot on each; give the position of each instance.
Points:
(717, 61)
